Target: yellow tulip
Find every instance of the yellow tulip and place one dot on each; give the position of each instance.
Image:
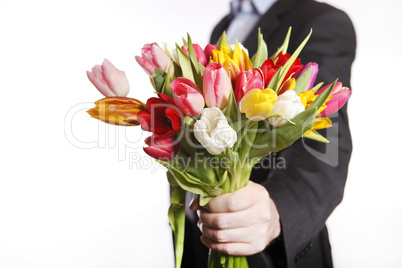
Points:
(320, 123)
(308, 97)
(234, 62)
(257, 104)
(117, 111)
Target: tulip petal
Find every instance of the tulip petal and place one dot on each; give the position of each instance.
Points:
(336, 102)
(97, 81)
(118, 111)
(115, 78)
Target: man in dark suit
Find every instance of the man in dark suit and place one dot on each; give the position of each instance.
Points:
(304, 193)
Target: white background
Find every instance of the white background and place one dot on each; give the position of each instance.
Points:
(77, 193)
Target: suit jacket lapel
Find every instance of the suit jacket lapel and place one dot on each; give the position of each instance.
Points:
(220, 28)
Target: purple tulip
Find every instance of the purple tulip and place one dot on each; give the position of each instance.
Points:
(313, 76)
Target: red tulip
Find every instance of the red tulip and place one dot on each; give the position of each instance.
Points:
(199, 53)
(339, 96)
(248, 80)
(164, 149)
(208, 51)
(152, 57)
(187, 96)
(109, 80)
(269, 67)
(162, 117)
(216, 85)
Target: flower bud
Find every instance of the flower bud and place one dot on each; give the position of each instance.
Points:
(288, 105)
(216, 86)
(187, 96)
(164, 149)
(117, 111)
(109, 80)
(258, 104)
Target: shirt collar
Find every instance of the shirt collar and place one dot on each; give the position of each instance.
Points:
(260, 6)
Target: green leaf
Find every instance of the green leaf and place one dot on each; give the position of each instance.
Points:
(178, 196)
(166, 85)
(159, 79)
(223, 42)
(177, 70)
(232, 111)
(247, 141)
(185, 42)
(314, 135)
(171, 179)
(197, 68)
(274, 81)
(183, 180)
(281, 116)
(238, 125)
(262, 52)
(185, 64)
(204, 200)
(290, 61)
(284, 47)
(177, 217)
(302, 81)
(284, 136)
(185, 136)
(317, 87)
(322, 97)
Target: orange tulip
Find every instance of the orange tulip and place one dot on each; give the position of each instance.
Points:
(117, 111)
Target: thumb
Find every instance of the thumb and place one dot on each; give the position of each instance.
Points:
(194, 203)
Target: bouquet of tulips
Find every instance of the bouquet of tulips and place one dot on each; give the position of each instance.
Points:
(216, 113)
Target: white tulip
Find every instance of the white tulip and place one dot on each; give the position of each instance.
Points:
(289, 105)
(213, 131)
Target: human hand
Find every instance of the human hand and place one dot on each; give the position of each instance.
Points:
(241, 223)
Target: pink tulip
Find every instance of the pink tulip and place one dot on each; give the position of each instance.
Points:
(216, 85)
(187, 96)
(152, 57)
(199, 53)
(208, 51)
(109, 80)
(248, 80)
(339, 96)
(164, 149)
(313, 76)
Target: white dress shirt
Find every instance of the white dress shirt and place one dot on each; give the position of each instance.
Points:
(246, 14)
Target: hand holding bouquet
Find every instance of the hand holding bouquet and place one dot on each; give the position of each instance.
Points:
(216, 114)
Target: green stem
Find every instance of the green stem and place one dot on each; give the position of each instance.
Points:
(243, 133)
(220, 260)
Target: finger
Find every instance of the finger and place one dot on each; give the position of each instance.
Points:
(227, 220)
(234, 249)
(238, 200)
(237, 235)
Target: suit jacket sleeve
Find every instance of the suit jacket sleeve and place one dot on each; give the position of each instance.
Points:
(312, 183)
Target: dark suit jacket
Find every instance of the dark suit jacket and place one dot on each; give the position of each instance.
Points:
(312, 184)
